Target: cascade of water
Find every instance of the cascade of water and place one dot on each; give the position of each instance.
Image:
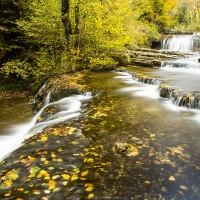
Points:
(68, 108)
(47, 99)
(183, 43)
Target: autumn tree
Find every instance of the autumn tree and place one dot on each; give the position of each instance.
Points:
(161, 13)
(45, 35)
(189, 12)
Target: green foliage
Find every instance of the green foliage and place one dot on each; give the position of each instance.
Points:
(44, 32)
(188, 15)
(104, 28)
(159, 13)
(16, 67)
(122, 59)
(101, 62)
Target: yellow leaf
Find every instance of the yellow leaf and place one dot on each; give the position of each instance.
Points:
(51, 187)
(89, 187)
(51, 184)
(36, 192)
(8, 183)
(83, 179)
(183, 187)
(171, 178)
(66, 176)
(89, 160)
(39, 118)
(74, 177)
(90, 196)
(43, 173)
(59, 160)
(57, 132)
(85, 173)
(76, 170)
(44, 138)
(75, 142)
(7, 195)
(94, 153)
(71, 130)
(46, 162)
(20, 189)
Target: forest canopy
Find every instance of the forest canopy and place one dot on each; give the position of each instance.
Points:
(41, 38)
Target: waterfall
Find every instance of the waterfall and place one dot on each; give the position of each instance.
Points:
(66, 108)
(47, 99)
(182, 43)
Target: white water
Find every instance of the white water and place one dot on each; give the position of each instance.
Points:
(182, 43)
(69, 107)
(151, 93)
(138, 88)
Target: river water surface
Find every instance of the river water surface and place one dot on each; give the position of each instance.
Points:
(164, 141)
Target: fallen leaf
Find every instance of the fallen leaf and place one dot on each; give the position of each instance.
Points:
(66, 176)
(171, 178)
(183, 187)
(85, 173)
(89, 187)
(90, 196)
(89, 160)
(74, 177)
(44, 138)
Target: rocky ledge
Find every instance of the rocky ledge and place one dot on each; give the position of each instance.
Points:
(177, 97)
(151, 57)
(60, 87)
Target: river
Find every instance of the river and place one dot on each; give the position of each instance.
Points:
(164, 140)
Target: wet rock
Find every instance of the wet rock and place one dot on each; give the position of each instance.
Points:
(121, 148)
(124, 148)
(58, 88)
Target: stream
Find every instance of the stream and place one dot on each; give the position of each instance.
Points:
(81, 159)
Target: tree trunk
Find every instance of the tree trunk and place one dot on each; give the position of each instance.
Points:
(66, 20)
